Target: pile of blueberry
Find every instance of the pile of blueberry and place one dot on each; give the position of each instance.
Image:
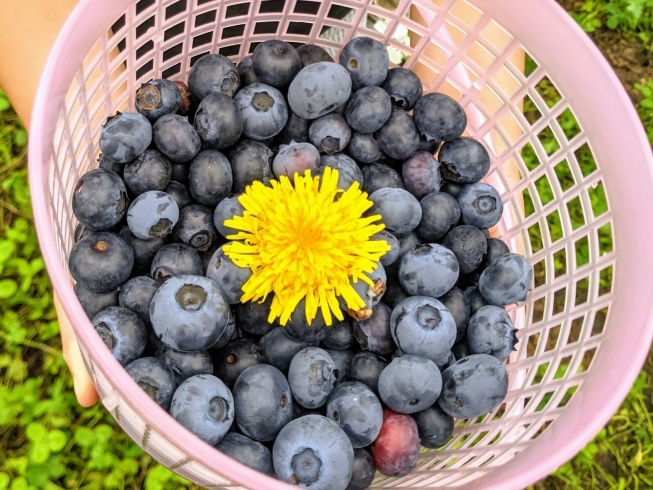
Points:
(320, 407)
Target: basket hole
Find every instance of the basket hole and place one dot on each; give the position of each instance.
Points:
(555, 226)
(546, 398)
(582, 251)
(531, 344)
(599, 322)
(539, 273)
(330, 33)
(538, 310)
(552, 338)
(559, 301)
(303, 28)
(575, 329)
(543, 427)
(252, 47)
(564, 175)
(530, 65)
(548, 141)
(560, 262)
(529, 207)
(306, 7)
(143, 5)
(144, 70)
(478, 438)
(588, 357)
(205, 18)
(173, 70)
(499, 413)
(605, 239)
(339, 12)
(530, 157)
(176, 9)
(540, 373)
(202, 39)
(145, 26)
(585, 160)
(173, 51)
(266, 27)
(605, 281)
(575, 210)
(232, 50)
(531, 112)
(563, 367)
(548, 91)
(598, 199)
(119, 24)
(144, 49)
(202, 2)
(567, 396)
(237, 10)
(582, 291)
(174, 31)
(271, 6)
(233, 31)
(535, 236)
(544, 190)
(194, 59)
(568, 124)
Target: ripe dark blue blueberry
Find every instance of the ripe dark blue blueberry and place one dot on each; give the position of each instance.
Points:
(189, 313)
(311, 377)
(403, 87)
(342, 360)
(151, 171)
(195, 227)
(364, 470)
(398, 137)
(495, 249)
(421, 174)
(368, 109)
(179, 173)
(480, 205)
(312, 53)
(410, 384)
(250, 160)
(371, 295)
(205, 406)
(428, 270)
(175, 259)
(473, 386)
(407, 242)
(213, 73)
(136, 294)
(394, 295)
(475, 299)
(93, 302)
(330, 133)
(252, 317)
(507, 280)
(464, 160)
(122, 331)
(225, 210)
(263, 402)
(263, 110)
(276, 63)
(232, 359)
(451, 188)
(459, 307)
(460, 349)
(298, 327)
(101, 262)
(210, 178)
(180, 193)
(366, 367)
(348, 171)
(153, 214)
(364, 148)
(155, 378)
(393, 254)
(100, 199)
(434, 427)
(490, 331)
(400, 211)
(379, 176)
(366, 60)
(125, 136)
(440, 212)
(373, 334)
(358, 412)
(246, 73)
(228, 276)
(296, 129)
(185, 364)
(156, 98)
(339, 335)
(468, 245)
(279, 349)
(175, 137)
(218, 121)
(246, 451)
(438, 117)
(105, 163)
(319, 89)
(144, 250)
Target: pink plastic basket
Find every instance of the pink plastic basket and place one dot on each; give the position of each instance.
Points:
(586, 328)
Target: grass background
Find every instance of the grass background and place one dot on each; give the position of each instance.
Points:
(48, 442)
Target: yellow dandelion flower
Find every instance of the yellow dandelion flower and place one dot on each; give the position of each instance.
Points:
(308, 241)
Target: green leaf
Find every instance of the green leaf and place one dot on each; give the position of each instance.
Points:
(7, 248)
(57, 440)
(39, 452)
(20, 137)
(36, 432)
(85, 437)
(4, 103)
(4, 481)
(8, 288)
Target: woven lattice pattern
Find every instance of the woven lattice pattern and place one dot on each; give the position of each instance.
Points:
(543, 165)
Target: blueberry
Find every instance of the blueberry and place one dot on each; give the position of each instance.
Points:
(263, 110)
(480, 205)
(151, 171)
(374, 334)
(459, 307)
(364, 148)
(100, 199)
(407, 242)
(195, 227)
(435, 427)
(368, 109)
(105, 163)
(174, 260)
(136, 294)
(245, 71)
(473, 386)
(366, 367)
(364, 470)
(210, 178)
(507, 280)
(311, 376)
(429, 146)
(464, 160)
(125, 136)
(122, 331)
(339, 335)
(318, 89)
(252, 317)
(397, 353)
(348, 171)
(153, 214)
(400, 211)
(186, 98)
(440, 212)
(276, 63)
(93, 302)
(228, 276)
(438, 117)
(246, 451)
(298, 327)
(371, 295)
(230, 333)
(295, 158)
(421, 174)
(155, 378)
(391, 255)
(205, 406)
(398, 138)
(179, 173)
(394, 295)
(263, 402)
(451, 188)
(250, 160)
(312, 451)
(491, 331)
(342, 360)
(475, 299)
(396, 450)
(176, 138)
(213, 73)
(428, 270)
(189, 313)
(101, 262)
(185, 364)
(156, 98)
(358, 412)
(410, 384)
(144, 250)
(495, 249)
(179, 192)
(403, 87)
(312, 53)
(296, 129)
(366, 60)
(218, 121)
(422, 326)
(330, 133)
(279, 349)
(379, 176)
(468, 245)
(461, 350)
(234, 358)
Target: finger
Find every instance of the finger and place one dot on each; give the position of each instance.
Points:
(84, 389)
